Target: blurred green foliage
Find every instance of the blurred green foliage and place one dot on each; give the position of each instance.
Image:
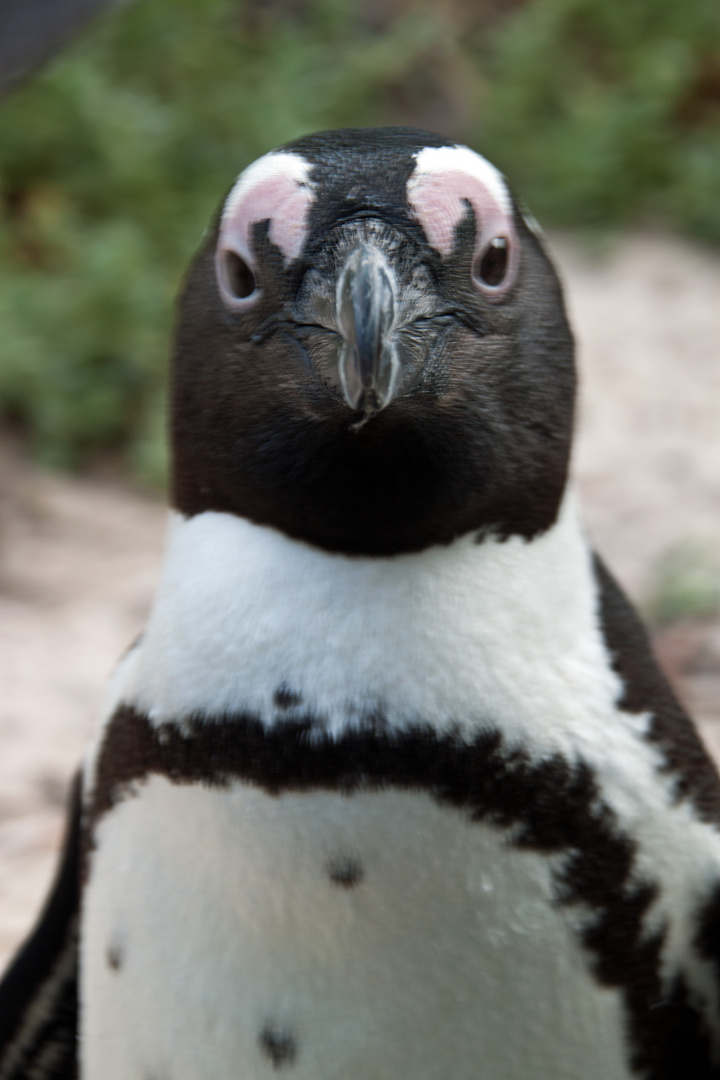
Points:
(685, 584)
(112, 160)
(608, 111)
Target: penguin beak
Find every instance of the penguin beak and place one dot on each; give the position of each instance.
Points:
(366, 306)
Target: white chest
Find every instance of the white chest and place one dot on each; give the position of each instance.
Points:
(454, 636)
(447, 957)
(232, 933)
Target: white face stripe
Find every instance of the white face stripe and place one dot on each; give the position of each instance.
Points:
(268, 167)
(273, 167)
(445, 181)
(442, 159)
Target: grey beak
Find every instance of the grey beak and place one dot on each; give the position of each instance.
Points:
(366, 305)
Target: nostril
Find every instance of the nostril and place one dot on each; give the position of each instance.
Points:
(239, 278)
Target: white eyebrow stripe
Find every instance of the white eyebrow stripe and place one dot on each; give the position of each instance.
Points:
(439, 159)
(269, 167)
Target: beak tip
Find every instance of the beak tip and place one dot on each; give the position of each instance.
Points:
(368, 394)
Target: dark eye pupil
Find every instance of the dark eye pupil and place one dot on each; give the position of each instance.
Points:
(492, 267)
(239, 278)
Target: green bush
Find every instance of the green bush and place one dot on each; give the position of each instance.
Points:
(608, 111)
(113, 159)
(685, 584)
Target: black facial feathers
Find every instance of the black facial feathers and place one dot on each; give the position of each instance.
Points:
(478, 433)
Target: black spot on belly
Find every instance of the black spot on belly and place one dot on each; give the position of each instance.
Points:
(552, 805)
(285, 698)
(114, 957)
(278, 1045)
(345, 871)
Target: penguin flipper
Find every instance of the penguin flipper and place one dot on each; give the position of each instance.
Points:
(645, 689)
(39, 991)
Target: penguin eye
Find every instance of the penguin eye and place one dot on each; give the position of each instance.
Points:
(491, 267)
(236, 278)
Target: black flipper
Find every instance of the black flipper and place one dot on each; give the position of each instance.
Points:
(39, 992)
(646, 690)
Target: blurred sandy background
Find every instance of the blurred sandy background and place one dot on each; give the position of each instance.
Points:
(79, 557)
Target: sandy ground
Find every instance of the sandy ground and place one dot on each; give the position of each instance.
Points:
(78, 558)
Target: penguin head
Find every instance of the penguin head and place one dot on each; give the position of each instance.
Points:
(372, 354)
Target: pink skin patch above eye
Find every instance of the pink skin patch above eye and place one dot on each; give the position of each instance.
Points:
(440, 200)
(274, 188)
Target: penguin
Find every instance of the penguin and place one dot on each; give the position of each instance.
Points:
(390, 786)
